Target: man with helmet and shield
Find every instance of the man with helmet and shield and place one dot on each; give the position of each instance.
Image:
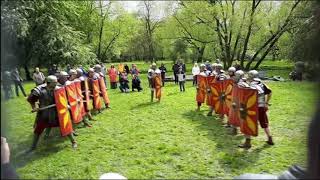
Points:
(102, 84)
(264, 96)
(201, 86)
(155, 81)
(52, 110)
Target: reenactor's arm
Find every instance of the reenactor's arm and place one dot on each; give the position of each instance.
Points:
(32, 99)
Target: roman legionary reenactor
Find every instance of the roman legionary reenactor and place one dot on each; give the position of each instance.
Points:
(102, 85)
(94, 89)
(156, 82)
(220, 77)
(85, 93)
(233, 117)
(201, 86)
(47, 113)
(77, 97)
(264, 96)
(62, 79)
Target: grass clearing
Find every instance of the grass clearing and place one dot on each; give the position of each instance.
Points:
(139, 139)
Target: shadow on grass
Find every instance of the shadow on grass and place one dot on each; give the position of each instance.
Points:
(232, 158)
(44, 149)
(146, 104)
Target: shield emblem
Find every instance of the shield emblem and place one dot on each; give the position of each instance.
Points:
(210, 81)
(221, 92)
(77, 83)
(158, 84)
(63, 112)
(76, 114)
(234, 117)
(96, 95)
(104, 91)
(248, 111)
(202, 88)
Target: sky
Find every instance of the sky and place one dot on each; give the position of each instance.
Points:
(130, 6)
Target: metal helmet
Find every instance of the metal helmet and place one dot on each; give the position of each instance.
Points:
(91, 70)
(153, 64)
(72, 72)
(253, 74)
(214, 64)
(232, 69)
(52, 78)
(79, 71)
(63, 73)
(239, 73)
(220, 66)
(157, 71)
(202, 65)
(97, 66)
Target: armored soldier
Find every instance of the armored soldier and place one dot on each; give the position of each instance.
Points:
(99, 74)
(231, 72)
(154, 84)
(73, 78)
(264, 96)
(84, 82)
(47, 117)
(239, 81)
(201, 87)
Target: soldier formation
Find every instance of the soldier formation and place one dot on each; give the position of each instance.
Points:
(243, 100)
(67, 99)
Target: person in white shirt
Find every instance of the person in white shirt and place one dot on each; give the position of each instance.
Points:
(38, 77)
(195, 72)
(181, 78)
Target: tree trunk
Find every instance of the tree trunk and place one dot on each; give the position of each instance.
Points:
(27, 72)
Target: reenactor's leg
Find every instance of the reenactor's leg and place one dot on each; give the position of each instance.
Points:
(247, 143)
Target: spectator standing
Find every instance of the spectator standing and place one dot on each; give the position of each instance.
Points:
(112, 72)
(181, 78)
(38, 77)
(163, 70)
(175, 69)
(195, 72)
(17, 82)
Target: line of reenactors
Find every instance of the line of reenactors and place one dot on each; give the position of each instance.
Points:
(66, 100)
(244, 100)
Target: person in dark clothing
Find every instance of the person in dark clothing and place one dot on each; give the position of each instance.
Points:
(53, 70)
(7, 171)
(136, 83)
(126, 67)
(17, 82)
(163, 70)
(175, 69)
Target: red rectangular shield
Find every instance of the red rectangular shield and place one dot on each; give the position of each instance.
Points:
(221, 92)
(210, 81)
(248, 111)
(77, 83)
(202, 88)
(63, 112)
(103, 90)
(96, 95)
(158, 84)
(86, 94)
(76, 114)
(234, 116)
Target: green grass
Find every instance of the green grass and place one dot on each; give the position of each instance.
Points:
(139, 139)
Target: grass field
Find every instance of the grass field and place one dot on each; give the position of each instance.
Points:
(139, 139)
